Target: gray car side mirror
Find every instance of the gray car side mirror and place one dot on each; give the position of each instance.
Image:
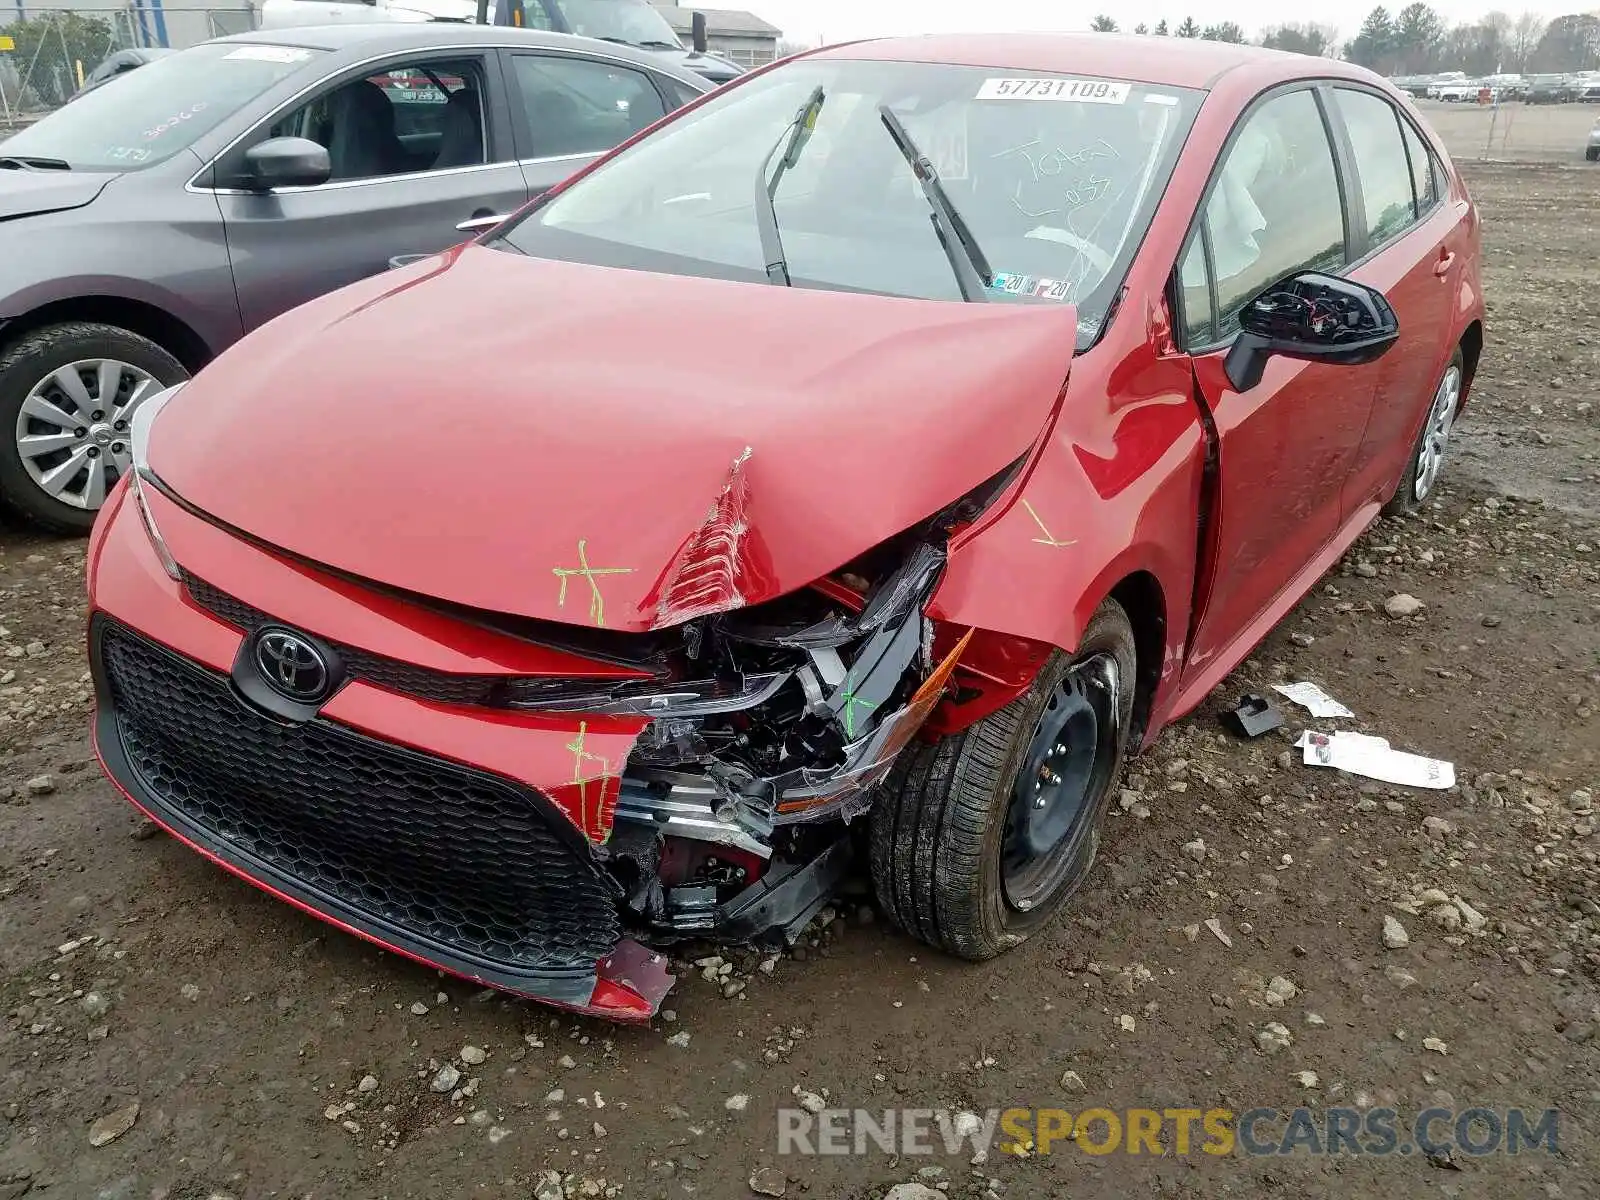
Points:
(287, 162)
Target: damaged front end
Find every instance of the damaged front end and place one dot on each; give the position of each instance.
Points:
(770, 729)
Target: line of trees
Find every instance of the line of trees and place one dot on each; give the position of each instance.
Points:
(1302, 39)
(1417, 39)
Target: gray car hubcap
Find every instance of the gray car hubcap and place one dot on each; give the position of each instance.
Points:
(1441, 420)
(72, 430)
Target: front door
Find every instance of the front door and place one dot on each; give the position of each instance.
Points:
(417, 147)
(1286, 445)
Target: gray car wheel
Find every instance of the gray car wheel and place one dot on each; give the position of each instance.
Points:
(67, 398)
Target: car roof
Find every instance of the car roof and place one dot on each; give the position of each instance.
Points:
(360, 39)
(1173, 61)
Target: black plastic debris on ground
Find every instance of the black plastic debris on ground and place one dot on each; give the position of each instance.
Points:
(1252, 716)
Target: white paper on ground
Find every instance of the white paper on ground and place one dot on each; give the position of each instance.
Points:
(1373, 757)
(1312, 698)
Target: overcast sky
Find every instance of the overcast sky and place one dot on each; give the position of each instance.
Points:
(808, 21)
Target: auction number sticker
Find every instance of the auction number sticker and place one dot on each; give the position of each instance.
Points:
(1082, 91)
(272, 54)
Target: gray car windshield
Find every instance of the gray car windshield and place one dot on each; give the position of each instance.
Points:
(1056, 176)
(631, 21)
(147, 115)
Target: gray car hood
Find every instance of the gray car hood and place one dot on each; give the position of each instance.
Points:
(27, 193)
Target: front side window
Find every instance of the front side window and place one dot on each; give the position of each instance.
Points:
(425, 115)
(580, 106)
(1274, 207)
(1057, 178)
(161, 109)
(1381, 162)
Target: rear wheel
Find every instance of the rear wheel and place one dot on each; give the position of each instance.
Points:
(67, 397)
(1592, 153)
(1428, 453)
(982, 837)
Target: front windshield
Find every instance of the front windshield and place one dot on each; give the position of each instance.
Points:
(631, 21)
(143, 117)
(1057, 178)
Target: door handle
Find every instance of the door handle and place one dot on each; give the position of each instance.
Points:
(480, 223)
(1442, 267)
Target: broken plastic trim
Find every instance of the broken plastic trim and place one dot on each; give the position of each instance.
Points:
(888, 604)
(696, 698)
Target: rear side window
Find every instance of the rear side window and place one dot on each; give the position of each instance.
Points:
(1381, 161)
(1274, 206)
(1424, 171)
(580, 106)
(679, 92)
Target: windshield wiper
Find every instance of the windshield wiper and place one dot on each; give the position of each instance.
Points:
(973, 274)
(28, 162)
(658, 44)
(799, 133)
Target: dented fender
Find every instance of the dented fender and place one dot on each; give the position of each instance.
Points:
(1113, 491)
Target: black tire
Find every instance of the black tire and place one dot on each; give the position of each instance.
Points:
(939, 830)
(1592, 154)
(33, 357)
(1406, 502)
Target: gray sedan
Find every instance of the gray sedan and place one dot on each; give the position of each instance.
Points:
(159, 217)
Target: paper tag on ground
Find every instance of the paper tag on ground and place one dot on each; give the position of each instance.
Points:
(1312, 698)
(1373, 757)
(1082, 91)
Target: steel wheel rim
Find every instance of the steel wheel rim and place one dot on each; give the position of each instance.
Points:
(1055, 798)
(72, 430)
(1436, 434)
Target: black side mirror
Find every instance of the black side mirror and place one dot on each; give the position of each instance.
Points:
(286, 162)
(697, 32)
(1312, 316)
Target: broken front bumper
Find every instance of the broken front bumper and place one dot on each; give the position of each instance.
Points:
(367, 815)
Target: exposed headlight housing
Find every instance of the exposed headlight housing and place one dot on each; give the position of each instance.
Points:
(138, 479)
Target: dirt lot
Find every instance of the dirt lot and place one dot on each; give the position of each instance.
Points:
(1524, 132)
(133, 972)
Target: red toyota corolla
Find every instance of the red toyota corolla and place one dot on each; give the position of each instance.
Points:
(847, 471)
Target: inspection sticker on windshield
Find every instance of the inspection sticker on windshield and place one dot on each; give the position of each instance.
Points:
(1083, 91)
(277, 54)
(1028, 285)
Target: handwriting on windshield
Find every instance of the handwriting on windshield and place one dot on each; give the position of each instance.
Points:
(174, 121)
(1076, 169)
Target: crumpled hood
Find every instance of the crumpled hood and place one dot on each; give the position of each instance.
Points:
(603, 446)
(28, 193)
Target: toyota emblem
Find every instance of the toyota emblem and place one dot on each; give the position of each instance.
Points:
(292, 666)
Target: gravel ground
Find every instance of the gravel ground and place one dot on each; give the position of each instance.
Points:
(166, 1031)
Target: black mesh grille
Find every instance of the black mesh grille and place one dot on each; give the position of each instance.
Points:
(447, 854)
(407, 678)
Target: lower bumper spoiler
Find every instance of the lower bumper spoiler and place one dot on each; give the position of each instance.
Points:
(627, 985)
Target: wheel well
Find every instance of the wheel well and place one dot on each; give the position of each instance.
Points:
(1471, 350)
(146, 320)
(1141, 598)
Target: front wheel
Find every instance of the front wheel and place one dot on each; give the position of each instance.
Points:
(1427, 454)
(980, 838)
(67, 397)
